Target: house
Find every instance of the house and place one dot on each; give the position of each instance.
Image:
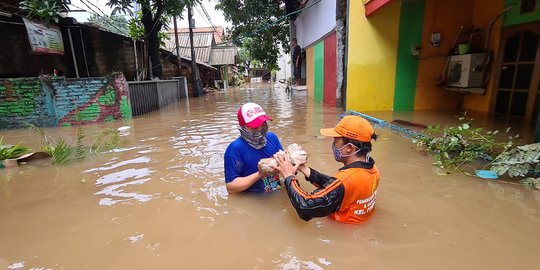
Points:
(210, 50)
(316, 29)
(475, 55)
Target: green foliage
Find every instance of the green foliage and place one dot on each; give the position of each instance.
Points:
(152, 17)
(136, 29)
(520, 161)
(11, 151)
(47, 11)
(80, 152)
(117, 24)
(60, 152)
(454, 146)
(257, 29)
(106, 141)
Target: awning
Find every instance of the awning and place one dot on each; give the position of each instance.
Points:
(374, 5)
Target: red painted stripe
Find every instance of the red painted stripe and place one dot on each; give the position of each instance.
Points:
(374, 5)
(330, 70)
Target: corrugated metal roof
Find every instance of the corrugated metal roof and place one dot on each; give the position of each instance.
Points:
(202, 43)
(223, 56)
(218, 31)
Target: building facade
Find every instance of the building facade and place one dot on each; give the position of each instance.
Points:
(481, 55)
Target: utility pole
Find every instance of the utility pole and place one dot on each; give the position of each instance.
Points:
(177, 47)
(176, 39)
(197, 91)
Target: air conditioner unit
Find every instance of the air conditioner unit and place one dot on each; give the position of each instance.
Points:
(466, 71)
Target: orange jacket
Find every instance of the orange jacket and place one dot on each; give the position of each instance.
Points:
(347, 197)
(360, 194)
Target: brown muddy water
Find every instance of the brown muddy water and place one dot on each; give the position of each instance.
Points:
(159, 202)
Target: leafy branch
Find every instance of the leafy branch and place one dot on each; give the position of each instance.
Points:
(47, 11)
(62, 152)
(11, 151)
(453, 147)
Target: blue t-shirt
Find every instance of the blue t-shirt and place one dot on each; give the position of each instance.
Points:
(241, 160)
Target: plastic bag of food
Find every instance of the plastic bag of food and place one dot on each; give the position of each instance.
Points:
(297, 155)
(294, 153)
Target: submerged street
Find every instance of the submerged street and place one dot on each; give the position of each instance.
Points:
(158, 201)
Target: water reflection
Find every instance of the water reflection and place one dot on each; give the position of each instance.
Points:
(159, 202)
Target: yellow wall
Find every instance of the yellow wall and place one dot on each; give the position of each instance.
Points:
(310, 81)
(445, 17)
(484, 11)
(372, 54)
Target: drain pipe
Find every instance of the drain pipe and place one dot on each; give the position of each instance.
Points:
(490, 26)
(489, 53)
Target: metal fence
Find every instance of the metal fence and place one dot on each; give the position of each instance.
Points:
(148, 96)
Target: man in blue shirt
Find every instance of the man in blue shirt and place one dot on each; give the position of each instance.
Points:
(242, 155)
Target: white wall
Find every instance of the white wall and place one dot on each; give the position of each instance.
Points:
(315, 22)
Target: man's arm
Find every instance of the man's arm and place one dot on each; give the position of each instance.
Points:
(319, 203)
(240, 184)
(314, 177)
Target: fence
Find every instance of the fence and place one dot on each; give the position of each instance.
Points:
(148, 96)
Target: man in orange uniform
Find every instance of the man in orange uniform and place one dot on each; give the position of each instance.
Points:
(349, 196)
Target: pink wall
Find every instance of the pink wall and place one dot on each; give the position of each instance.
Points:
(330, 66)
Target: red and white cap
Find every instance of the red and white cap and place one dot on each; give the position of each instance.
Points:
(251, 115)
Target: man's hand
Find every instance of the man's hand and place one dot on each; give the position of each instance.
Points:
(284, 165)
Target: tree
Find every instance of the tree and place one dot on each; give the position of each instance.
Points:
(258, 26)
(154, 13)
(116, 24)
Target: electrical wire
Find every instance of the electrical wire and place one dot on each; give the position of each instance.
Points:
(282, 18)
(105, 18)
(211, 23)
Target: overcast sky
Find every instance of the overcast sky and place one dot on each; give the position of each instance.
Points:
(200, 20)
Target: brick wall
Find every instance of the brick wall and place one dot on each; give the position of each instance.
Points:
(22, 101)
(16, 58)
(105, 53)
(52, 102)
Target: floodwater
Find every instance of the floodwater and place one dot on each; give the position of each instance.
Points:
(159, 202)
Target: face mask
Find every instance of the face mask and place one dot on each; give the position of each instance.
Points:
(255, 138)
(337, 152)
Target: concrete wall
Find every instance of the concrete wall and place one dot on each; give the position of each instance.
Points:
(315, 22)
(58, 102)
(484, 11)
(372, 53)
(310, 71)
(445, 17)
(383, 75)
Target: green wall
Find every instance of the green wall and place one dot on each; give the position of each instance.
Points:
(319, 71)
(514, 17)
(410, 32)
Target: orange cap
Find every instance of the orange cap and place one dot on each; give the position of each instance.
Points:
(352, 127)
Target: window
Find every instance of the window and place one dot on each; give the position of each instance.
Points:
(527, 6)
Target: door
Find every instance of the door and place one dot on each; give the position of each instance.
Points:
(518, 92)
